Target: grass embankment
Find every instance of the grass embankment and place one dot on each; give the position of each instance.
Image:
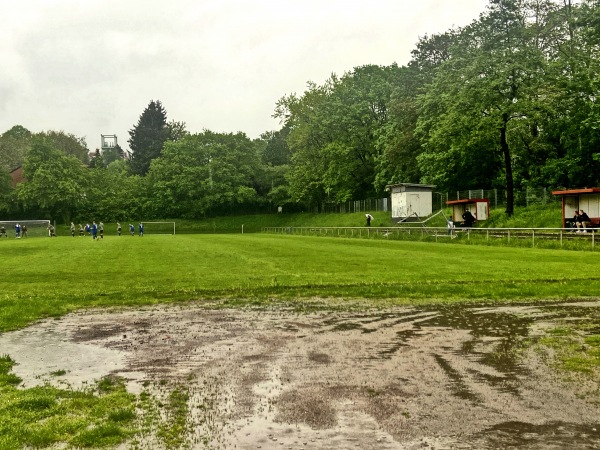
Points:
(535, 216)
(255, 223)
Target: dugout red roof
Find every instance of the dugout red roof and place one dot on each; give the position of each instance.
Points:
(595, 190)
(466, 201)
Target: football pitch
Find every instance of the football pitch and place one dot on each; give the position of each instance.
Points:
(305, 341)
(43, 277)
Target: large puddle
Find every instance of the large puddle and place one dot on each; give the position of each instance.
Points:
(450, 377)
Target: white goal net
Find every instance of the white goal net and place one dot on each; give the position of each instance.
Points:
(24, 228)
(153, 228)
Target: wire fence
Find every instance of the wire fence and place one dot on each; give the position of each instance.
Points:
(354, 206)
(497, 198)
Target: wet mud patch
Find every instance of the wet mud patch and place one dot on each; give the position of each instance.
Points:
(309, 407)
(448, 377)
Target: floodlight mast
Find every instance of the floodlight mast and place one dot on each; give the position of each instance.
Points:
(108, 141)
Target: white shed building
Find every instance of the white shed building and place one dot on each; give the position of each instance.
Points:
(410, 202)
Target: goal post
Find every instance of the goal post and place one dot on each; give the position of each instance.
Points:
(158, 228)
(33, 228)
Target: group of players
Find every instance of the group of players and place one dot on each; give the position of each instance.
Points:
(96, 230)
(20, 231)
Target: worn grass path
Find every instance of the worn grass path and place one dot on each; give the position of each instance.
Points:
(43, 277)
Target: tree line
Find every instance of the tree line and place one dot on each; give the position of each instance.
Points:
(507, 102)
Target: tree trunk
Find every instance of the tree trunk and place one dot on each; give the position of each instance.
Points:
(510, 189)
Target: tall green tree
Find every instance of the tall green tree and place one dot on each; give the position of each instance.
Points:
(13, 148)
(396, 141)
(68, 143)
(147, 137)
(56, 183)
(333, 134)
(572, 135)
(112, 195)
(5, 191)
(177, 130)
(481, 100)
(275, 156)
(276, 150)
(112, 154)
(306, 118)
(17, 132)
(202, 174)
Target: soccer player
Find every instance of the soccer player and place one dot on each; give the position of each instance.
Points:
(17, 231)
(51, 231)
(3, 231)
(23, 230)
(87, 228)
(80, 230)
(72, 229)
(94, 230)
(141, 229)
(131, 229)
(101, 229)
(119, 228)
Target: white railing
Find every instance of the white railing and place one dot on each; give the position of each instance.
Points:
(561, 237)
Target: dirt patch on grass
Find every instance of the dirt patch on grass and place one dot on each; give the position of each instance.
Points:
(407, 378)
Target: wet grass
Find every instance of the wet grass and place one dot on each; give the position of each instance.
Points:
(173, 430)
(51, 277)
(44, 416)
(575, 352)
(571, 345)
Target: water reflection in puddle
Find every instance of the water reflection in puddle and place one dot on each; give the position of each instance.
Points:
(485, 353)
(553, 435)
(450, 374)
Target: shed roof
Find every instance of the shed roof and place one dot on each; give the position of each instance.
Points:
(466, 201)
(389, 186)
(595, 190)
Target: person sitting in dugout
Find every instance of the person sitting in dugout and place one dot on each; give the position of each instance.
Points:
(468, 219)
(583, 220)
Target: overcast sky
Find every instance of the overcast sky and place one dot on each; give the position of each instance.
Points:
(90, 67)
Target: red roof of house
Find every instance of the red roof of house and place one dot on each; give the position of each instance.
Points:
(16, 176)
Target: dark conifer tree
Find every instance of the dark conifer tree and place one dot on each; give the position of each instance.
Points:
(147, 137)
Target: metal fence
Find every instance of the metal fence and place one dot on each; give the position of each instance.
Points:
(497, 197)
(353, 206)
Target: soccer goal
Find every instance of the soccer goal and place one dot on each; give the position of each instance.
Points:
(157, 228)
(33, 228)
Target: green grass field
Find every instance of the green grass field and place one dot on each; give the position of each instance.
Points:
(50, 277)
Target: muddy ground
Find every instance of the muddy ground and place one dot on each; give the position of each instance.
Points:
(405, 378)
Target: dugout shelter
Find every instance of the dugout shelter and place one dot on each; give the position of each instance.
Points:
(410, 201)
(479, 207)
(573, 200)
